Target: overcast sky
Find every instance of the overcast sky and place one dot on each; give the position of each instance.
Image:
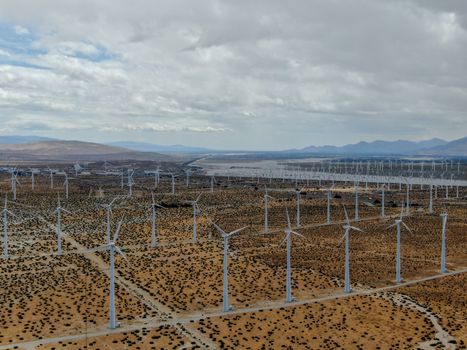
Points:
(234, 74)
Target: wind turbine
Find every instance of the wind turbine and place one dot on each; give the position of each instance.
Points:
(212, 183)
(328, 210)
(187, 172)
(356, 202)
(112, 248)
(108, 208)
(444, 217)
(14, 182)
(157, 176)
(173, 184)
(288, 284)
(65, 183)
(154, 206)
(347, 228)
(226, 236)
(382, 200)
(430, 206)
(51, 178)
(5, 213)
(297, 192)
(33, 180)
(59, 228)
(398, 223)
(407, 199)
(130, 182)
(266, 216)
(196, 211)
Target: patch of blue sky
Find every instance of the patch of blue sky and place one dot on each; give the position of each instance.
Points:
(18, 43)
(101, 54)
(16, 63)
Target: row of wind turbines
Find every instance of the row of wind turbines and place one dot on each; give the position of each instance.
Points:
(114, 249)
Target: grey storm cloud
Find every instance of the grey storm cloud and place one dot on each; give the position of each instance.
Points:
(238, 74)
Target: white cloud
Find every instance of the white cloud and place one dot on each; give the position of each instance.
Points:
(21, 30)
(301, 73)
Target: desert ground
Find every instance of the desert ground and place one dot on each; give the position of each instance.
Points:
(170, 296)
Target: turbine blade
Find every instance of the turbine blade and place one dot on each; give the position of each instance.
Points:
(346, 216)
(97, 249)
(119, 251)
(284, 240)
(343, 237)
(117, 232)
(221, 231)
(113, 200)
(288, 219)
(237, 231)
(407, 227)
(298, 234)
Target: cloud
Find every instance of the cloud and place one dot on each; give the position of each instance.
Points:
(21, 30)
(262, 74)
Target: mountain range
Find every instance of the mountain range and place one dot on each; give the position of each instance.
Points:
(399, 147)
(43, 148)
(73, 151)
(150, 147)
(18, 139)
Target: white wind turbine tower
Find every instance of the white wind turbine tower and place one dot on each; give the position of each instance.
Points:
(188, 173)
(288, 283)
(51, 178)
(196, 211)
(33, 180)
(173, 183)
(122, 179)
(212, 183)
(347, 228)
(266, 205)
(430, 205)
(356, 201)
(226, 236)
(130, 182)
(154, 207)
(328, 209)
(112, 248)
(158, 176)
(407, 199)
(5, 213)
(398, 223)
(59, 226)
(382, 200)
(444, 217)
(14, 182)
(108, 208)
(65, 183)
(298, 197)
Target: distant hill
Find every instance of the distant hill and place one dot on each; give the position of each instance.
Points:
(17, 139)
(73, 150)
(454, 148)
(376, 147)
(150, 147)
